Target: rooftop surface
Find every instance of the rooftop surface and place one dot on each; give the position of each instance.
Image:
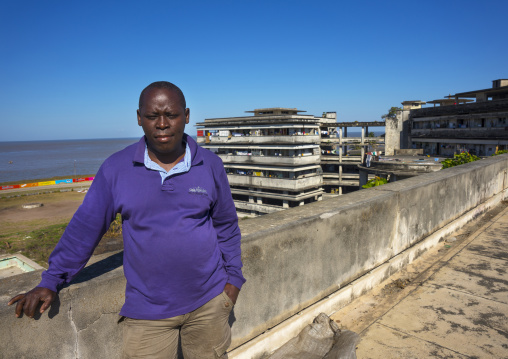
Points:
(275, 108)
(450, 303)
(489, 91)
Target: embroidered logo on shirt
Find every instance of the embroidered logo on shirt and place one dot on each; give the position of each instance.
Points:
(198, 190)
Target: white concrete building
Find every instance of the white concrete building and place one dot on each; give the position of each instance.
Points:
(474, 121)
(272, 158)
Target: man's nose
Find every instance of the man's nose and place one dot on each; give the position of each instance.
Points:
(162, 122)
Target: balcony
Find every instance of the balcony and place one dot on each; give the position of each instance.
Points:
(271, 160)
(263, 208)
(345, 159)
(276, 183)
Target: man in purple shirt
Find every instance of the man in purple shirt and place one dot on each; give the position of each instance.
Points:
(181, 238)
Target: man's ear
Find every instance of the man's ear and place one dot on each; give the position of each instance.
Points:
(187, 116)
(139, 118)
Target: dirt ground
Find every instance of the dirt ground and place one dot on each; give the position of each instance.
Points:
(57, 208)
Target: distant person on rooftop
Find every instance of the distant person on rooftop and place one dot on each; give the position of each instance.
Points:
(181, 237)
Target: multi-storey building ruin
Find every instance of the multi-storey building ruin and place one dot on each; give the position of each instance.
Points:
(474, 121)
(272, 158)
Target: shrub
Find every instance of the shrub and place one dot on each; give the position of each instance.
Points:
(376, 181)
(500, 152)
(459, 159)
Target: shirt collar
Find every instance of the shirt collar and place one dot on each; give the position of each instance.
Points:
(196, 156)
(181, 167)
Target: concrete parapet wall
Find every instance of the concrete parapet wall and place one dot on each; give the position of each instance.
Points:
(292, 259)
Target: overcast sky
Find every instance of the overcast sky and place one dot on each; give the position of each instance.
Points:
(74, 69)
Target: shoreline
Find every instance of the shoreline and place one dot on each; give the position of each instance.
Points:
(37, 180)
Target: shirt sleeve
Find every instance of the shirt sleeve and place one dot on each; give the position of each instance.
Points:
(85, 230)
(225, 222)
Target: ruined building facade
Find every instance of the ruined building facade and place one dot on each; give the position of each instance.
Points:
(474, 121)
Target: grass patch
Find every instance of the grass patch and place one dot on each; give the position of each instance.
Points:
(38, 244)
(115, 228)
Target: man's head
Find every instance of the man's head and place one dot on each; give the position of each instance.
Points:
(163, 85)
(163, 116)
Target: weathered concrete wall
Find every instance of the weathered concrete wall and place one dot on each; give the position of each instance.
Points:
(408, 152)
(396, 132)
(292, 259)
(81, 324)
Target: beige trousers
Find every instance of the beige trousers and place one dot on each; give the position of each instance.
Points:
(204, 333)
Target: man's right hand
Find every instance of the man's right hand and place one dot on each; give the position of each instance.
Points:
(27, 303)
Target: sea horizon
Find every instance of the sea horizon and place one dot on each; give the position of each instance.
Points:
(25, 161)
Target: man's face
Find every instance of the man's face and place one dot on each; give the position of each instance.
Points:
(163, 119)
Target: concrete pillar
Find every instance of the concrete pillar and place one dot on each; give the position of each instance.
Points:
(364, 178)
(251, 199)
(341, 149)
(340, 191)
(285, 203)
(301, 203)
(362, 140)
(259, 200)
(320, 198)
(340, 173)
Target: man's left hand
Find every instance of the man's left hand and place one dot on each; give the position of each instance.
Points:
(232, 292)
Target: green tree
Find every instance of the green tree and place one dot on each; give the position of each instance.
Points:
(464, 157)
(376, 181)
(371, 134)
(392, 113)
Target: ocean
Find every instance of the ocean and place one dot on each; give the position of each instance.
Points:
(28, 160)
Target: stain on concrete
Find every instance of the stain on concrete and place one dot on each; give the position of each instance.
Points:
(472, 303)
(486, 319)
(467, 328)
(493, 285)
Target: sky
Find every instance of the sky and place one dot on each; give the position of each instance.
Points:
(74, 69)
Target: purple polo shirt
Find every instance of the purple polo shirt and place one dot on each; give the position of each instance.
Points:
(181, 237)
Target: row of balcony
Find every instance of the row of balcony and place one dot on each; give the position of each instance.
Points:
(275, 139)
(465, 109)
